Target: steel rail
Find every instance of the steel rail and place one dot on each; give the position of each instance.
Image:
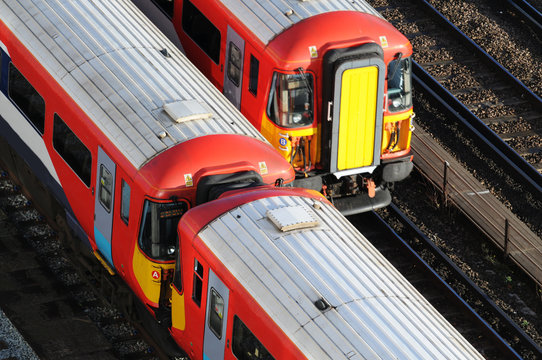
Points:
(453, 300)
(531, 15)
(489, 305)
(508, 157)
(536, 100)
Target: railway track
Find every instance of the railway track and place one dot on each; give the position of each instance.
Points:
(42, 288)
(512, 163)
(403, 252)
(486, 88)
(528, 13)
(447, 118)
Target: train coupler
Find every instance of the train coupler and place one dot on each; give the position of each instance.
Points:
(351, 205)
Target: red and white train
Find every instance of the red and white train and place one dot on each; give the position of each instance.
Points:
(327, 82)
(113, 131)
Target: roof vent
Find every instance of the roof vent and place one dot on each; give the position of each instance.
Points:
(187, 110)
(289, 12)
(165, 52)
(321, 304)
(292, 217)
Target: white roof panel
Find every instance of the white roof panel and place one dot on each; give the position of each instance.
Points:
(374, 312)
(107, 56)
(267, 19)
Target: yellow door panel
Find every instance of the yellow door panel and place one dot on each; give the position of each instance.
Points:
(358, 107)
(178, 319)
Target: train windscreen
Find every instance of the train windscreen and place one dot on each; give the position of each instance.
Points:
(399, 85)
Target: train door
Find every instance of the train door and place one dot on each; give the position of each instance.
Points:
(103, 207)
(214, 340)
(233, 75)
(353, 95)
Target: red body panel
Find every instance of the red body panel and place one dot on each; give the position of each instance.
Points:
(207, 156)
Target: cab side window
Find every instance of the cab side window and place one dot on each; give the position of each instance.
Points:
(246, 346)
(201, 30)
(177, 276)
(27, 98)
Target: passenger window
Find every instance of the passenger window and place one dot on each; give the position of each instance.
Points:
(234, 64)
(198, 282)
(166, 6)
(106, 188)
(125, 201)
(253, 75)
(72, 150)
(201, 30)
(245, 346)
(216, 313)
(29, 101)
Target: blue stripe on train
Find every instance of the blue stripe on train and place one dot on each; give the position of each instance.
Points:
(104, 246)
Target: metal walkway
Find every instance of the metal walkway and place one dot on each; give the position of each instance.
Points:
(459, 187)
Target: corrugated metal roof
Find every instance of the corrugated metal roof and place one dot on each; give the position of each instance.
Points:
(374, 312)
(111, 60)
(267, 19)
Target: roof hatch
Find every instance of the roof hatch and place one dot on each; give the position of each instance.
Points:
(293, 217)
(186, 110)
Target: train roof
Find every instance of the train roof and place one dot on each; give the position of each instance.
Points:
(267, 19)
(136, 86)
(289, 252)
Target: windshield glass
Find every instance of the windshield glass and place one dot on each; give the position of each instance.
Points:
(158, 236)
(399, 85)
(290, 100)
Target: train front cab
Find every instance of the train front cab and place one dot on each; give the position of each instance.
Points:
(337, 106)
(365, 145)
